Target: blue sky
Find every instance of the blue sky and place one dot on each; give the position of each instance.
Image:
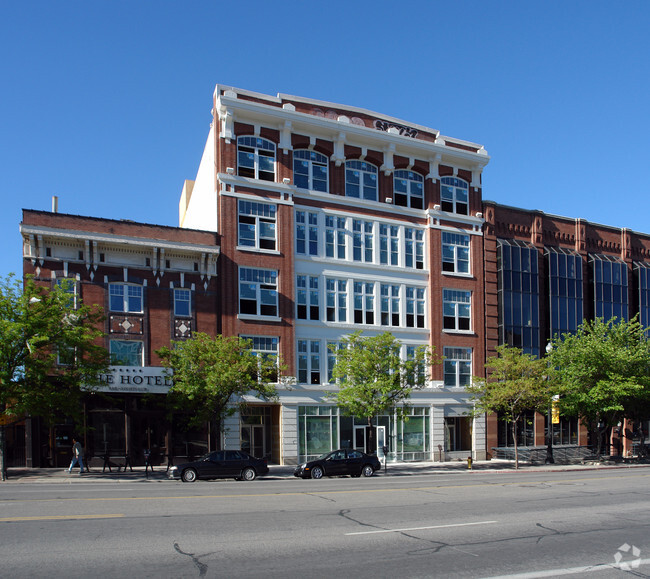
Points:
(106, 104)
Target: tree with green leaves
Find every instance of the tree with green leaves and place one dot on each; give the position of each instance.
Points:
(603, 373)
(517, 383)
(373, 377)
(49, 353)
(212, 375)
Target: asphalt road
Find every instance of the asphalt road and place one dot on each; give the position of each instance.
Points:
(528, 525)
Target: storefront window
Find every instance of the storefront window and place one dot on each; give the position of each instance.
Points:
(525, 431)
(412, 435)
(106, 435)
(317, 430)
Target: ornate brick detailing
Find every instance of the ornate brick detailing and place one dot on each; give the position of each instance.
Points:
(125, 325)
(182, 328)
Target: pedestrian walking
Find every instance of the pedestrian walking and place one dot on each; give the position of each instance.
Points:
(77, 456)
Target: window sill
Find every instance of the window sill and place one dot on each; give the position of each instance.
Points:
(259, 318)
(463, 332)
(456, 274)
(257, 250)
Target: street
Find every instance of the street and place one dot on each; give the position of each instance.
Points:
(465, 524)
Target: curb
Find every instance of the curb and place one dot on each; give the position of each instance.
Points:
(137, 475)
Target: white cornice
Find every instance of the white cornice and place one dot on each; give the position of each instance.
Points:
(79, 235)
(355, 135)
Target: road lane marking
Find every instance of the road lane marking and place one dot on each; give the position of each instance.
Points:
(421, 528)
(59, 517)
(567, 571)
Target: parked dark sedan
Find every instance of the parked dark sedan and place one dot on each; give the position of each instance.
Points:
(235, 464)
(337, 463)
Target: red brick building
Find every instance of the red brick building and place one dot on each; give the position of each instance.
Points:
(156, 284)
(335, 219)
(544, 275)
(323, 220)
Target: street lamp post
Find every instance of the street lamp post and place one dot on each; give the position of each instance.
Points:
(549, 420)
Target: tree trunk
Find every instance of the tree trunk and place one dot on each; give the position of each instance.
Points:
(3, 449)
(599, 439)
(371, 437)
(514, 438)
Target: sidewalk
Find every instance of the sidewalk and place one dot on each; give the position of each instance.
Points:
(137, 475)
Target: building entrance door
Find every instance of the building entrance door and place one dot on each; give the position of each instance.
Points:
(252, 439)
(360, 438)
(362, 435)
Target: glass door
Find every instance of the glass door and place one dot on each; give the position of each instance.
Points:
(360, 438)
(381, 441)
(252, 439)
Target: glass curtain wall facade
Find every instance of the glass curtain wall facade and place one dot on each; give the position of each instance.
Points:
(643, 275)
(565, 291)
(610, 287)
(518, 295)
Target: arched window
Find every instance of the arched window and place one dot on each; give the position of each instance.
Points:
(310, 170)
(361, 180)
(256, 158)
(454, 194)
(408, 189)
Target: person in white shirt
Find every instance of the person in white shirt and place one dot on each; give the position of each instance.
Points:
(77, 456)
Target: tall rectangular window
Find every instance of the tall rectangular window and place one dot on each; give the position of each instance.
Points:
(364, 302)
(306, 233)
(336, 297)
(408, 189)
(389, 305)
(458, 366)
(415, 307)
(264, 347)
(309, 362)
(414, 246)
(454, 195)
(361, 180)
(388, 244)
(518, 295)
(69, 286)
(307, 298)
(125, 298)
(643, 271)
(332, 347)
(256, 225)
(256, 158)
(182, 302)
(610, 287)
(127, 352)
(421, 368)
(258, 292)
(310, 170)
(335, 236)
(456, 308)
(362, 246)
(565, 289)
(455, 252)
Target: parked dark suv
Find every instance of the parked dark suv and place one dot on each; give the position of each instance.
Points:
(235, 464)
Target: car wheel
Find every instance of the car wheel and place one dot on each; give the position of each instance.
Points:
(317, 472)
(367, 470)
(189, 475)
(248, 473)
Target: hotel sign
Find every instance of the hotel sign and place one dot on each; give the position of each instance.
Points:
(135, 379)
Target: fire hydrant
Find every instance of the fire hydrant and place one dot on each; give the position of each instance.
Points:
(469, 462)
